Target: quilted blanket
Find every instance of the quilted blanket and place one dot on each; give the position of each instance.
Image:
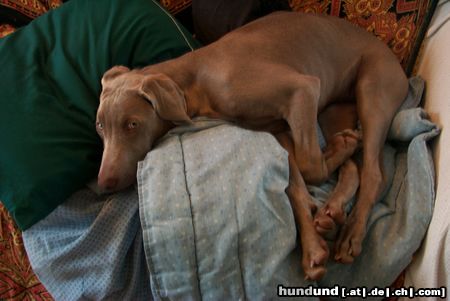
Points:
(210, 220)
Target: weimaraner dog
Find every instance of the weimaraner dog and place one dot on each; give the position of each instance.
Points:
(275, 74)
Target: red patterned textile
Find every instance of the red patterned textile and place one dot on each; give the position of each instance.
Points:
(17, 280)
(6, 29)
(31, 8)
(399, 23)
(175, 6)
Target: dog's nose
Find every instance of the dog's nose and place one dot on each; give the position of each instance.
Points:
(109, 184)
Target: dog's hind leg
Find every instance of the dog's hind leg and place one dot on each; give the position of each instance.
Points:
(380, 90)
(314, 249)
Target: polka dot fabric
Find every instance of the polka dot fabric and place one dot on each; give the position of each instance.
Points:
(90, 248)
(216, 220)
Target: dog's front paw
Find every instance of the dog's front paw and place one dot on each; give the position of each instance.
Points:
(315, 255)
(329, 218)
(351, 236)
(343, 144)
(356, 135)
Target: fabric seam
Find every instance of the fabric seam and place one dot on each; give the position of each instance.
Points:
(192, 215)
(143, 217)
(238, 248)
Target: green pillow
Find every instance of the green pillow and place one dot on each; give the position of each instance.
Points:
(49, 90)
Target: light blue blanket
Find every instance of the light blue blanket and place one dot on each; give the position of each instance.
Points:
(210, 221)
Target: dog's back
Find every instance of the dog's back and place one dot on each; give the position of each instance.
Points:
(329, 48)
(284, 35)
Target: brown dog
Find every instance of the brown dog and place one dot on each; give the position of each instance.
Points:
(275, 74)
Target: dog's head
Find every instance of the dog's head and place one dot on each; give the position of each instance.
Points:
(135, 110)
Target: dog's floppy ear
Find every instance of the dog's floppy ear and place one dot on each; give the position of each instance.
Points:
(113, 72)
(166, 97)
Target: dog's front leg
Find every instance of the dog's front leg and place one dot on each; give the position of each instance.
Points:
(301, 116)
(337, 122)
(314, 249)
(332, 215)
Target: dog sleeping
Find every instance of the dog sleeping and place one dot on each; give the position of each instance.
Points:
(276, 74)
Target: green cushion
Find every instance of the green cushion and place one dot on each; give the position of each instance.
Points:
(49, 90)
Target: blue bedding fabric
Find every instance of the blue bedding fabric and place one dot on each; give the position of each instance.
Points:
(209, 220)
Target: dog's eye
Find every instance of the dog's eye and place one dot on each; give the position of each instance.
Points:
(132, 125)
(100, 126)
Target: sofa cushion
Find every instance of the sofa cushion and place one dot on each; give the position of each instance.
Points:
(49, 94)
(213, 19)
(431, 265)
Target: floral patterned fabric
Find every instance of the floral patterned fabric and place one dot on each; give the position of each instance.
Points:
(6, 29)
(31, 8)
(17, 280)
(175, 6)
(35, 8)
